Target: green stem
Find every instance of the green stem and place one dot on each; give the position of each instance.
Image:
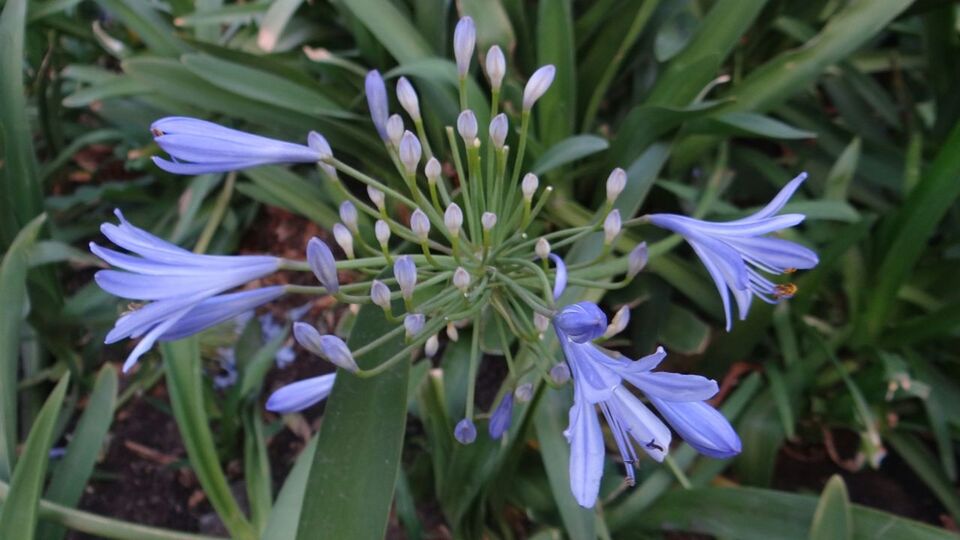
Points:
(216, 215)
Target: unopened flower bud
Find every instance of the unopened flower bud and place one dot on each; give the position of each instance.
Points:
(395, 129)
(348, 214)
(619, 322)
(452, 333)
(560, 373)
(377, 101)
(488, 220)
(407, 97)
(461, 279)
(376, 197)
(636, 260)
(410, 152)
(382, 231)
(432, 170)
(326, 346)
(501, 417)
(498, 130)
(413, 324)
(467, 127)
(529, 186)
(406, 273)
(344, 238)
(317, 142)
(380, 294)
(542, 248)
(524, 392)
(420, 224)
(464, 39)
(431, 346)
(496, 67)
(541, 322)
(324, 266)
(615, 184)
(538, 85)
(453, 219)
(611, 226)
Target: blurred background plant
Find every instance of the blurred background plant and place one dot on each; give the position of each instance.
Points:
(709, 106)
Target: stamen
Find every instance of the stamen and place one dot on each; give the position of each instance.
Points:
(789, 270)
(156, 132)
(786, 290)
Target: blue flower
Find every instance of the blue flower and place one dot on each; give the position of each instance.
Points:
(377, 101)
(200, 147)
(502, 416)
(298, 396)
(598, 382)
(736, 251)
(184, 288)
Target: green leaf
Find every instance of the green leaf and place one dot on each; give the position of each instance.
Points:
(288, 190)
(147, 23)
(832, 519)
(568, 151)
(925, 465)
(13, 298)
(181, 361)
(392, 28)
(493, 24)
(736, 513)
(21, 199)
(674, 35)
(256, 467)
(842, 173)
(738, 124)
(273, 23)
(354, 471)
(19, 516)
(557, 108)
(913, 226)
(72, 473)
(683, 332)
(285, 515)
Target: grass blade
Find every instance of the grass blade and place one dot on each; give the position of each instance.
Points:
(832, 520)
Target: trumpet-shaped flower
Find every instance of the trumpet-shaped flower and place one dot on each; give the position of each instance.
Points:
(182, 286)
(299, 395)
(735, 252)
(599, 382)
(200, 147)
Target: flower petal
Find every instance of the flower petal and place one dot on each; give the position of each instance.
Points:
(218, 309)
(301, 394)
(674, 386)
(703, 427)
(586, 453)
(649, 431)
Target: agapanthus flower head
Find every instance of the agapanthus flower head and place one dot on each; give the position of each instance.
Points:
(432, 170)
(538, 85)
(405, 271)
(201, 147)
(410, 152)
(736, 252)
(323, 264)
(467, 126)
(498, 130)
(496, 65)
(464, 40)
(377, 101)
(298, 396)
(599, 378)
(407, 97)
(183, 288)
(420, 224)
(453, 219)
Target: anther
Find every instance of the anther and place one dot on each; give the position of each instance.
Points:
(785, 290)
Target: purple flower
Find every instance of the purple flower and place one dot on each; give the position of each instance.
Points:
(500, 420)
(183, 288)
(465, 431)
(377, 101)
(598, 381)
(200, 147)
(735, 252)
(298, 396)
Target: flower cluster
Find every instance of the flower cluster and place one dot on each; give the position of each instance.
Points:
(459, 243)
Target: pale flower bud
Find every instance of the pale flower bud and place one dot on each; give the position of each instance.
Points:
(541, 322)
(615, 184)
(620, 320)
(636, 260)
(407, 97)
(431, 346)
(395, 129)
(317, 142)
(498, 130)
(377, 101)
(461, 279)
(420, 224)
(406, 273)
(324, 266)
(410, 152)
(344, 238)
(452, 333)
(611, 226)
(432, 170)
(542, 248)
(560, 373)
(330, 347)
(376, 197)
(380, 294)
(524, 393)
(453, 219)
(488, 220)
(465, 432)
(529, 186)
(496, 67)
(538, 85)
(382, 231)
(348, 214)
(464, 39)
(413, 324)
(467, 126)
